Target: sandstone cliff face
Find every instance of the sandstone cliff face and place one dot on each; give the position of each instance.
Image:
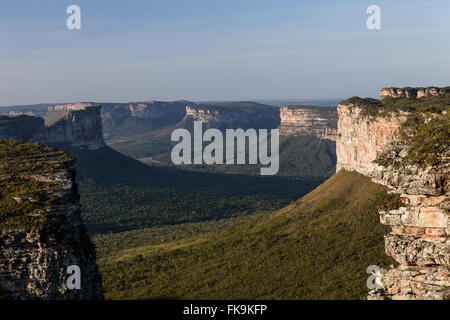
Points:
(78, 125)
(419, 240)
(54, 113)
(41, 232)
(360, 138)
(234, 117)
(302, 120)
(420, 237)
(158, 109)
(153, 113)
(412, 92)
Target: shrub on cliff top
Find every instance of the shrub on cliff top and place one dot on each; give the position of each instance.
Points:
(429, 140)
(371, 108)
(23, 200)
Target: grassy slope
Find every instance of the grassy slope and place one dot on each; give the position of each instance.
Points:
(316, 248)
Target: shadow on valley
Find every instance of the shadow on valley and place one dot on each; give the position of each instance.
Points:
(119, 193)
(301, 251)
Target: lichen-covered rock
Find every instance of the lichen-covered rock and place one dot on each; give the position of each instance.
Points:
(41, 232)
(410, 250)
(420, 238)
(413, 283)
(372, 143)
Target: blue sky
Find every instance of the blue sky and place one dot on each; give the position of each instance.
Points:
(218, 49)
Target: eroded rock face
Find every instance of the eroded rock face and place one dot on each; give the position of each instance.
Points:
(412, 92)
(234, 117)
(41, 232)
(360, 138)
(420, 237)
(302, 120)
(154, 112)
(78, 125)
(413, 283)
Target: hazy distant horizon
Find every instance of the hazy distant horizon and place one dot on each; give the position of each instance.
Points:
(274, 102)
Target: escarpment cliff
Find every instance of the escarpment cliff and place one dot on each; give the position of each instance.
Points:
(228, 115)
(78, 125)
(81, 126)
(154, 113)
(413, 92)
(360, 138)
(409, 152)
(43, 242)
(304, 120)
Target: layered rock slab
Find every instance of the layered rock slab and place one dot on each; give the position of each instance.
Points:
(41, 232)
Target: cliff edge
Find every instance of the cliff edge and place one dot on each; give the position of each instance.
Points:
(42, 237)
(403, 142)
(309, 121)
(79, 125)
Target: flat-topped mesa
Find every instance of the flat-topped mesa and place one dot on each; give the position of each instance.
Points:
(79, 125)
(158, 109)
(205, 114)
(309, 121)
(70, 106)
(360, 139)
(42, 235)
(134, 115)
(254, 116)
(409, 92)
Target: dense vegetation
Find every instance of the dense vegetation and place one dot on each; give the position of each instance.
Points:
(373, 107)
(429, 140)
(426, 137)
(23, 200)
(299, 252)
(302, 156)
(119, 193)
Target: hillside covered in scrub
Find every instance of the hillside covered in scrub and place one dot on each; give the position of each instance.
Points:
(299, 252)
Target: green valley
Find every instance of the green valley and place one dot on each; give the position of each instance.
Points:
(298, 252)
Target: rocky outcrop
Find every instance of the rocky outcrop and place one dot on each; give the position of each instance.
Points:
(413, 92)
(158, 110)
(419, 240)
(42, 237)
(304, 120)
(360, 138)
(78, 125)
(420, 237)
(55, 113)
